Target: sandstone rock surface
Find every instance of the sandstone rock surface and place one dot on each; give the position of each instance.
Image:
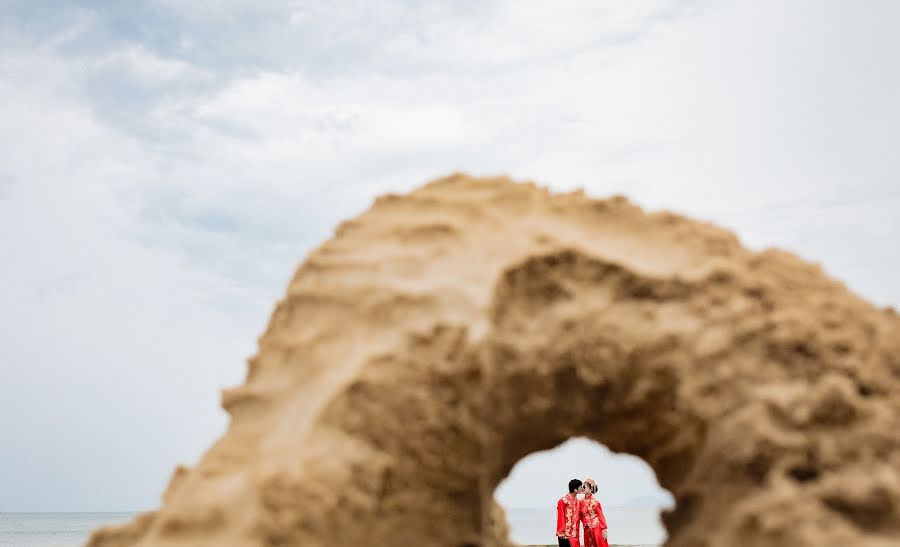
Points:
(443, 335)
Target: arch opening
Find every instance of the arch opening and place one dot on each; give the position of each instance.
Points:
(629, 492)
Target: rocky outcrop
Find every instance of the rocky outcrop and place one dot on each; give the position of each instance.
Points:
(443, 335)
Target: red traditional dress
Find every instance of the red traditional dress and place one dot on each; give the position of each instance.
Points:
(594, 522)
(568, 511)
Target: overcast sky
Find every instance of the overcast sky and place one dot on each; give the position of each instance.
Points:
(165, 166)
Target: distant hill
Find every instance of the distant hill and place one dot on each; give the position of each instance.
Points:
(646, 502)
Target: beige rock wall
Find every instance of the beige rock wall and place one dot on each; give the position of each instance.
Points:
(443, 335)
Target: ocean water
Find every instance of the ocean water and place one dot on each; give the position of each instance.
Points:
(637, 527)
(53, 529)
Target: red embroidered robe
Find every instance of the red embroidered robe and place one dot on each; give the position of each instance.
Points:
(591, 516)
(568, 512)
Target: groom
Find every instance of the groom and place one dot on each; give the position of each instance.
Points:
(568, 513)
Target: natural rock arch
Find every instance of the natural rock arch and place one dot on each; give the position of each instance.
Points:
(445, 334)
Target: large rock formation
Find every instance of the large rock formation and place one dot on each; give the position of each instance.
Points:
(445, 334)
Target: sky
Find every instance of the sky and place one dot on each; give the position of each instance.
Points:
(166, 165)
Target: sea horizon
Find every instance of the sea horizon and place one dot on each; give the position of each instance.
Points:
(529, 526)
(54, 529)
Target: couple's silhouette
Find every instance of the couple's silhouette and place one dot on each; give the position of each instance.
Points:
(574, 512)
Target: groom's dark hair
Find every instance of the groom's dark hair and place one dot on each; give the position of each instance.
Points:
(573, 485)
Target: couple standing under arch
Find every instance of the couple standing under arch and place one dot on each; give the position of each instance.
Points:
(572, 510)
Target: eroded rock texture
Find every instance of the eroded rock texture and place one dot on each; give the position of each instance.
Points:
(443, 335)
